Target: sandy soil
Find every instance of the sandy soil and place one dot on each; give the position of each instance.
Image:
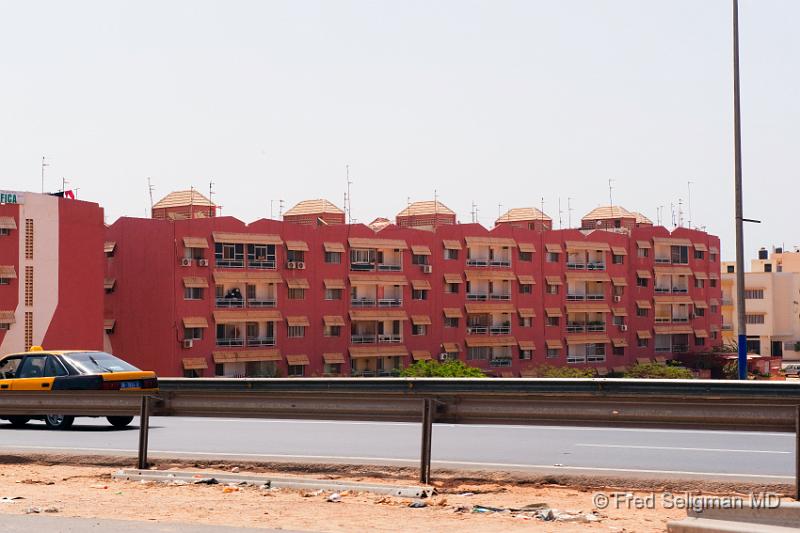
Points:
(89, 491)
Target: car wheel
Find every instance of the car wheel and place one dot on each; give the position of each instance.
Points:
(18, 421)
(58, 421)
(119, 421)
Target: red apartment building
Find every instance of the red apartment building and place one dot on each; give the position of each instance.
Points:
(51, 272)
(215, 296)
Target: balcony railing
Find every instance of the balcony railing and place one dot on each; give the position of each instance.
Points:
(680, 290)
(595, 296)
(477, 330)
(727, 327)
(363, 302)
(261, 341)
(576, 297)
(680, 319)
(229, 263)
(663, 260)
(264, 264)
(680, 348)
(229, 302)
(388, 267)
(362, 267)
(230, 341)
(478, 262)
(727, 301)
(576, 328)
(261, 302)
(662, 290)
(500, 330)
(595, 327)
(390, 302)
(500, 362)
(362, 373)
(596, 265)
(663, 349)
(499, 296)
(476, 296)
(500, 263)
(363, 339)
(663, 319)
(576, 266)
(390, 339)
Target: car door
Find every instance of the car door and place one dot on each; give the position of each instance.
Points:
(8, 371)
(31, 374)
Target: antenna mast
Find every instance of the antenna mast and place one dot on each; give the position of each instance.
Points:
(610, 197)
(569, 212)
(348, 201)
(560, 212)
(43, 165)
(689, 204)
(150, 189)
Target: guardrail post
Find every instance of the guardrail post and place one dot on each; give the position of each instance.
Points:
(427, 433)
(144, 429)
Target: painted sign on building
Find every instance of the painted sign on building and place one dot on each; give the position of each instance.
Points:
(11, 197)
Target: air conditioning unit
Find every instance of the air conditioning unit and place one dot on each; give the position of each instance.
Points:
(186, 262)
(188, 343)
(291, 265)
(300, 265)
(617, 299)
(202, 262)
(427, 269)
(623, 327)
(443, 356)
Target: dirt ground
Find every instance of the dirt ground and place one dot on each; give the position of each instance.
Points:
(88, 490)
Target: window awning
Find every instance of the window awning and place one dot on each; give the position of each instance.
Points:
(671, 241)
(701, 333)
(194, 363)
(526, 279)
(108, 323)
(420, 355)
(195, 242)
(619, 311)
(333, 358)
(378, 279)
(554, 344)
(587, 308)
(587, 246)
(453, 278)
(247, 315)
(553, 248)
(333, 320)
(677, 330)
(108, 246)
(587, 338)
(619, 250)
(418, 249)
(713, 301)
(619, 343)
(195, 322)
(527, 312)
(421, 320)
(601, 371)
(644, 244)
(364, 352)
(713, 249)
(700, 304)
(643, 274)
(491, 275)
(383, 244)
(527, 345)
(713, 275)
(700, 247)
(490, 341)
(378, 315)
(297, 283)
(195, 282)
(453, 312)
(644, 304)
(674, 299)
(700, 275)
(451, 347)
(297, 246)
(245, 276)
(619, 282)
(489, 307)
(451, 245)
(246, 238)
(108, 283)
(297, 321)
(643, 361)
(644, 334)
(588, 276)
(246, 356)
(491, 241)
(553, 311)
(334, 283)
(7, 223)
(527, 247)
(673, 270)
(297, 360)
(507, 374)
(420, 285)
(333, 247)
(553, 280)
(8, 272)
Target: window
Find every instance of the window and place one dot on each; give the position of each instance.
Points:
(553, 320)
(229, 255)
(450, 322)
(552, 289)
(478, 353)
(193, 293)
(362, 256)
(525, 321)
(298, 256)
(332, 368)
(618, 350)
(526, 256)
(754, 294)
(194, 334)
(419, 329)
(526, 288)
(297, 294)
(618, 291)
(5, 281)
(553, 353)
(28, 238)
(333, 294)
(297, 371)
(714, 335)
(526, 355)
(296, 332)
(642, 343)
(712, 257)
(642, 252)
(419, 259)
(714, 309)
(5, 326)
(450, 255)
(552, 257)
(712, 283)
(260, 255)
(618, 259)
(333, 331)
(419, 294)
(641, 282)
(451, 288)
(618, 320)
(754, 319)
(699, 311)
(4, 232)
(641, 311)
(8, 369)
(334, 258)
(730, 269)
(698, 254)
(699, 283)
(29, 286)
(699, 341)
(679, 255)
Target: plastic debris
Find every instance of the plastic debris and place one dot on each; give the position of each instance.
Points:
(417, 505)
(335, 497)
(467, 494)
(10, 499)
(205, 481)
(235, 469)
(311, 494)
(99, 486)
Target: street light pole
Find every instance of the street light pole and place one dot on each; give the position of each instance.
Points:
(737, 151)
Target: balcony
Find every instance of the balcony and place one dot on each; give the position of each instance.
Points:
(663, 260)
(363, 302)
(680, 348)
(261, 302)
(477, 330)
(476, 296)
(503, 263)
(576, 266)
(727, 327)
(261, 341)
(596, 297)
(478, 262)
(363, 339)
(389, 267)
(390, 339)
(229, 263)
(362, 267)
(576, 297)
(500, 330)
(229, 303)
(230, 341)
(596, 265)
(576, 328)
(581, 327)
(500, 362)
(680, 319)
(595, 328)
(663, 320)
(499, 296)
(662, 290)
(680, 290)
(390, 302)
(263, 264)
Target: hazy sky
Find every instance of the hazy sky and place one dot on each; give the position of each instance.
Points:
(496, 102)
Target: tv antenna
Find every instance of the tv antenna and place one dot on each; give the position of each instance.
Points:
(659, 215)
(474, 212)
(569, 212)
(347, 198)
(150, 188)
(560, 212)
(610, 196)
(44, 164)
(689, 202)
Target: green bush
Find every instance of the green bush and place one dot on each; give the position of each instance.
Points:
(548, 371)
(731, 370)
(656, 371)
(435, 369)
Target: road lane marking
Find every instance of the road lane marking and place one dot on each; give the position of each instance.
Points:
(679, 448)
(440, 462)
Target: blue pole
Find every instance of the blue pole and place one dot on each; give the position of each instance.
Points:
(742, 356)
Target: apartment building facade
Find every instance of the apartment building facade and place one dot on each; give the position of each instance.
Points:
(218, 297)
(772, 304)
(51, 272)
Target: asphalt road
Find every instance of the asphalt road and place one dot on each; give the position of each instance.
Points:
(650, 453)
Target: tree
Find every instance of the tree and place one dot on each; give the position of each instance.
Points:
(435, 369)
(549, 371)
(657, 371)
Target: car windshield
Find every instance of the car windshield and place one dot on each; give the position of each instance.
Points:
(97, 362)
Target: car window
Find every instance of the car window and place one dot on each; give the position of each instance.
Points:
(53, 367)
(8, 367)
(97, 362)
(32, 367)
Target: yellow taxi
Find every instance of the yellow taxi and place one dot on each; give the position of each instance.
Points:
(47, 370)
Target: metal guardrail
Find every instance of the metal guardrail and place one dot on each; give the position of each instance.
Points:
(678, 404)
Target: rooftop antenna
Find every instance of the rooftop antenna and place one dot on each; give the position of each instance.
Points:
(560, 212)
(541, 210)
(569, 212)
(150, 188)
(610, 196)
(689, 202)
(408, 208)
(280, 208)
(659, 215)
(271, 203)
(348, 200)
(64, 182)
(499, 210)
(680, 212)
(435, 206)
(672, 209)
(43, 165)
(191, 202)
